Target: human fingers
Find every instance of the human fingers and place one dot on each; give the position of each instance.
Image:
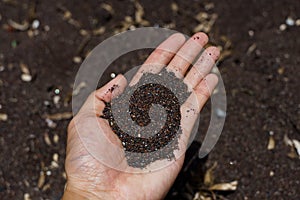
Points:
(160, 57)
(187, 54)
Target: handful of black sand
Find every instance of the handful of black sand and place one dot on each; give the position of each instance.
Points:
(146, 118)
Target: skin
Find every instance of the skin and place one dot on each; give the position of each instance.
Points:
(88, 178)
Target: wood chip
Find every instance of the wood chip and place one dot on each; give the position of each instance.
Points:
(99, 31)
(271, 144)
(41, 180)
(46, 187)
(60, 116)
(232, 186)
(47, 139)
(297, 146)
(24, 68)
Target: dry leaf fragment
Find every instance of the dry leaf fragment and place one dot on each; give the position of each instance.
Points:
(208, 176)
(60, 116)
(232, 186)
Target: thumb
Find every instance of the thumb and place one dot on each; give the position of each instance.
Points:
(95, 102)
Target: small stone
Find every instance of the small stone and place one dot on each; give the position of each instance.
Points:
(48, 173)
(47, 28)
(290, 21)
(251, 33)
(26, 77)
(282, 27)
(77, 59)
(35, 24)
(112, 75)
(2, 68)
(298, 22)
(272, 173)
(46, 103)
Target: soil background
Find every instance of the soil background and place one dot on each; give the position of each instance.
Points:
(260, 70)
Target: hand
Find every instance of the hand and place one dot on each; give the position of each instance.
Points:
(87, 177)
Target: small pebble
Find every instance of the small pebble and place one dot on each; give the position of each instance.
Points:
(251, 33)
(290, 22)
(46, 103)
(77, 59)
(47, 28)
(220, 113)
(112, 75)
(48, 173)
(272, 173)
(2, 68)
(282, 27)
(35, 24)
(298, 22)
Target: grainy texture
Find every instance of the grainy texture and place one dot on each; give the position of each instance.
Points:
(262, 87)
(148, 136)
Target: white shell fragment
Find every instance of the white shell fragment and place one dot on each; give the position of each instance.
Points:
(35, 24)
(26, 77)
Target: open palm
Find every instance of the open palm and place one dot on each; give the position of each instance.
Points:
(91, 178)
